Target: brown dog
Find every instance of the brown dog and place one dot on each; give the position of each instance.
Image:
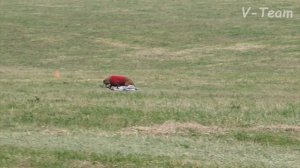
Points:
(117, 81)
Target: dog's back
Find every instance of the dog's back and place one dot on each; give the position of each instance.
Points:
(116, 80)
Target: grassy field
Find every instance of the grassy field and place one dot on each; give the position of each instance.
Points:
(216, 89)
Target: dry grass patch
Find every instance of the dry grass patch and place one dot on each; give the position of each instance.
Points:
(289, 128)
(115, 43)
(175, 128)
(243, 47)
(209, 49)
(189, 54)
(55, 132)
(25, 162)
(171, 128)
(86, 164)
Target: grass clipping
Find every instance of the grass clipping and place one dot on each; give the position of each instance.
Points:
(171, 128)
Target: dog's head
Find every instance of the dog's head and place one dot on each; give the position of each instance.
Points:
(106, 82)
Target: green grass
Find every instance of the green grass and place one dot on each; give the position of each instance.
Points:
(64, 158)
(194, 62)
(269, 139)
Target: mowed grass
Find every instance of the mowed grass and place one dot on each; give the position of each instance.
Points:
(216, 90)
